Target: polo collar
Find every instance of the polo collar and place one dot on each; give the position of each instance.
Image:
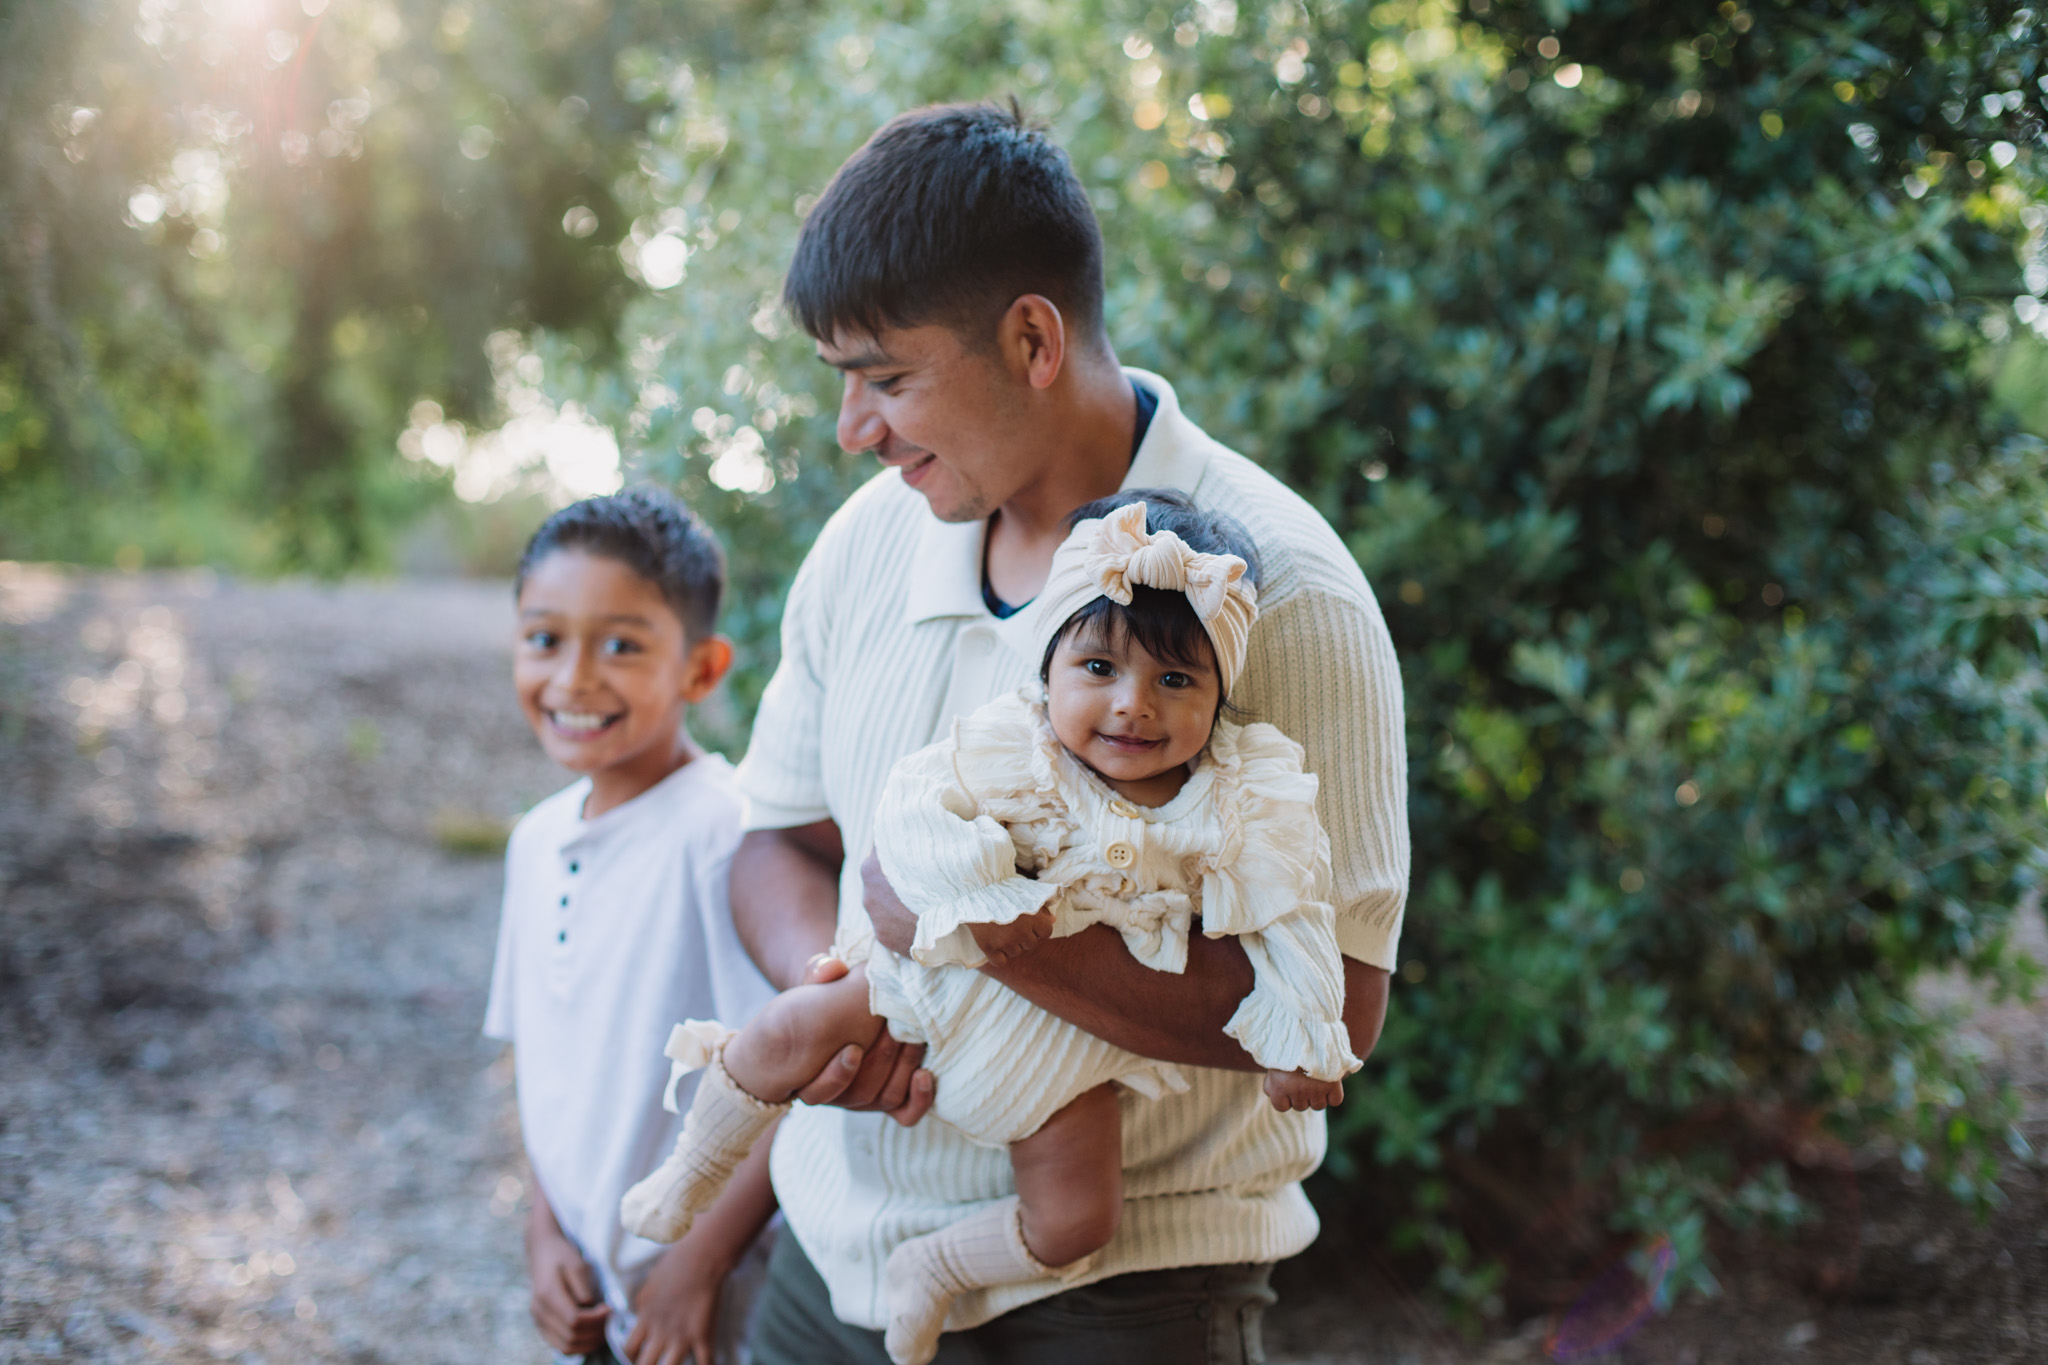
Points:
(945, 568)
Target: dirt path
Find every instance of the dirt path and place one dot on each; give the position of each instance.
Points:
(244, 1110)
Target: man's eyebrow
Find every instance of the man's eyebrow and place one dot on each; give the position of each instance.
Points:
(860, 360)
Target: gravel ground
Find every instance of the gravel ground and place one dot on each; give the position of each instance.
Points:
(247, 900)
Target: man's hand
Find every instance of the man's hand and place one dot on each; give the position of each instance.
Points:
(1001, 942)
(566, 1306)
(677, 1307)
(887, 1077)
(1290, 1090)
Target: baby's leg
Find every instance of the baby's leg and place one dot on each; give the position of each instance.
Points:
(1069, 1198)
(744, 1090)
(798, 1032)
(1070, 1179)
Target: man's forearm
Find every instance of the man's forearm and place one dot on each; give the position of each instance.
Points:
(1092, 981)
(785, 897)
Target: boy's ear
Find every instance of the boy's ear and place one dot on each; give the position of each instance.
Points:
(705, 666)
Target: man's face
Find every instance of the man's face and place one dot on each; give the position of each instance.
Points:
(947, 414)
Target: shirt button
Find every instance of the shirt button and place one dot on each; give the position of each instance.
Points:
(575, 867)
(561, 935)
(1120, 854)
(1125, 809)
(565, 900)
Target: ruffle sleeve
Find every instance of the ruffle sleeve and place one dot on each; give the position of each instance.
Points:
(1293, 1020)
(1274, 854)
(945, 856)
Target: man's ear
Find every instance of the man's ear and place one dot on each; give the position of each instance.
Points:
(1032, 338)
(704, 666)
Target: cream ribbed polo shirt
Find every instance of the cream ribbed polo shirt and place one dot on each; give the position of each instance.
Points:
(885, 640)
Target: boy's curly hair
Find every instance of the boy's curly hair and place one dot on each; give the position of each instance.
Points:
(652, 533)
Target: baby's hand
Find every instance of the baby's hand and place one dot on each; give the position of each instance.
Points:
(1290, 1090)
(1001, 942)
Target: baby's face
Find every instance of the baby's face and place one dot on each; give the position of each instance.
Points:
(1136, 719)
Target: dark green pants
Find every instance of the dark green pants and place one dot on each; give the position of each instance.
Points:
(1205, 1315)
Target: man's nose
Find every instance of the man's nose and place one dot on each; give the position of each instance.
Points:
(861, 427)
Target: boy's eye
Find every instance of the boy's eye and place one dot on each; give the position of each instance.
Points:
(541, 639)
(1099, 668)
(884, 383)
(619, 645)
(1176, 680)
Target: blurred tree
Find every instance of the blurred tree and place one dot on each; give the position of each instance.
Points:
(1635, 348)
(243, 237)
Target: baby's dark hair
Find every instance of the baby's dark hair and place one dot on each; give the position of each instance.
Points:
(1161, 621)
(652, 533)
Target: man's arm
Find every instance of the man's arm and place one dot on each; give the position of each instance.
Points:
(1091, 980)
(785, 897)
(785, 905)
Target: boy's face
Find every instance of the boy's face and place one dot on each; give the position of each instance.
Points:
(604, 670)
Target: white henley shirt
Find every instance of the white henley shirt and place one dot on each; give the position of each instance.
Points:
(613, 930)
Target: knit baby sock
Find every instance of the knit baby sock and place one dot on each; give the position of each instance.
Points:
(925, 1274)
(721, 1128)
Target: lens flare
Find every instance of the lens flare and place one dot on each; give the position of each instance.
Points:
(1613, 1306)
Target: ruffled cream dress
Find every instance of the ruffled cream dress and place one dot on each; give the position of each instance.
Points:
(1000, 819)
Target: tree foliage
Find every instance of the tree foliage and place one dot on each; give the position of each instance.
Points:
(242, 239)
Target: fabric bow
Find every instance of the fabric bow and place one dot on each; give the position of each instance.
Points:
(1109, 556)
(691, 1046)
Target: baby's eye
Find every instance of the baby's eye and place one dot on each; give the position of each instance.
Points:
(1099, 668)
(1176, 680)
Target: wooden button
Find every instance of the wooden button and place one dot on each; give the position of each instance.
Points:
(1120, 854)
(1125, 809)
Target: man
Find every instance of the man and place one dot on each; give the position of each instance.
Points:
(952, 271)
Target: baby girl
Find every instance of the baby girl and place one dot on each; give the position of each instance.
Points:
(1117, 792)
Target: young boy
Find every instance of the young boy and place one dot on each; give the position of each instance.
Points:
(616, 924)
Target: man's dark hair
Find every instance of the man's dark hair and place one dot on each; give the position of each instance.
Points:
(653, 534)
(1162, 622)
(948, 215)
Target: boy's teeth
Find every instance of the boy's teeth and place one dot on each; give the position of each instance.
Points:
(573, 720)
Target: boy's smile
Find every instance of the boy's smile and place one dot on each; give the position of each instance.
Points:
(604, 672)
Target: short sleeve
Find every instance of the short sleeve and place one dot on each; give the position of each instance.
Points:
(781, 777)
(1322, 669)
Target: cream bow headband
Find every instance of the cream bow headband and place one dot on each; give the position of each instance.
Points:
(1108, 556)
